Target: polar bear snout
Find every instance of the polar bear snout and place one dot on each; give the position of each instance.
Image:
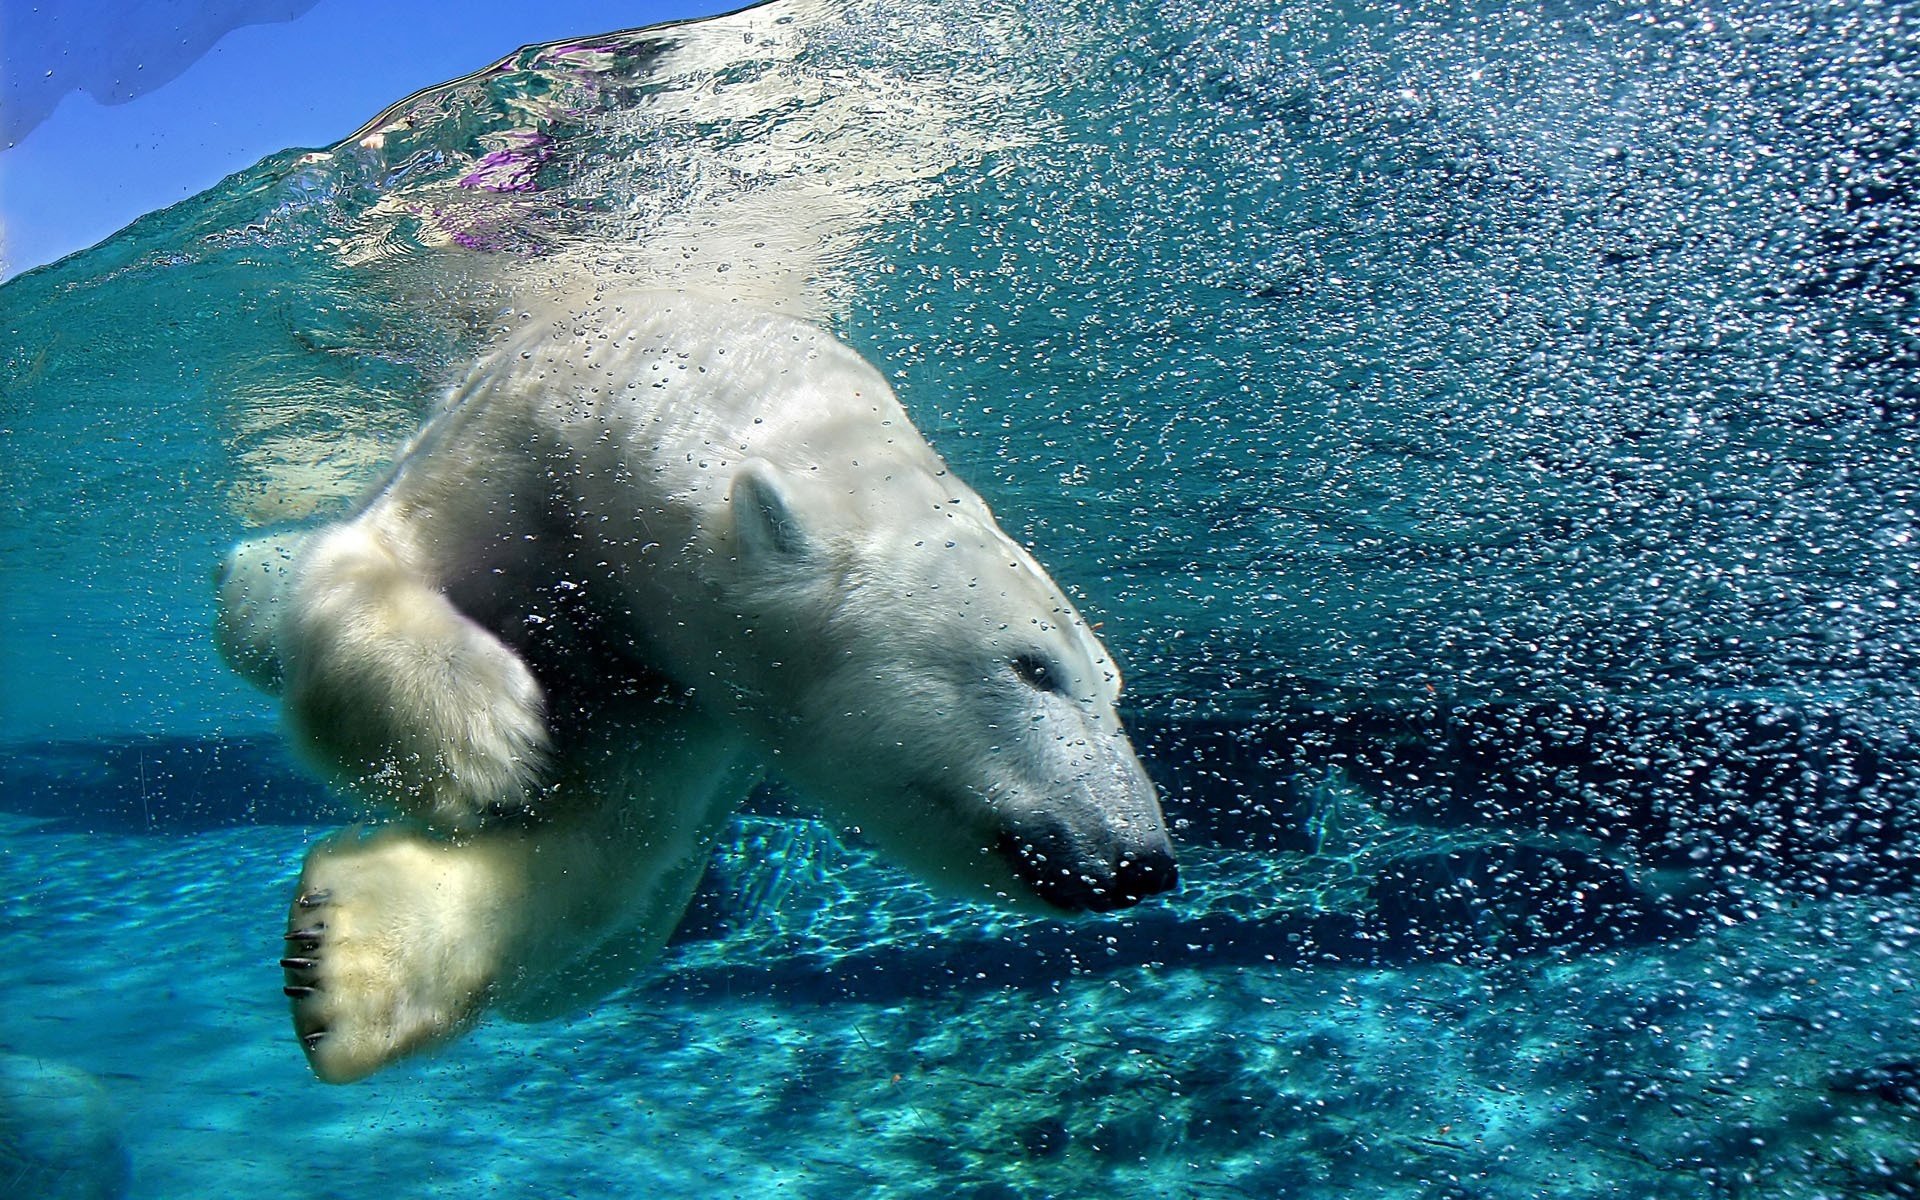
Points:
(1101, 869)
(1080, 827)
(1060, 872)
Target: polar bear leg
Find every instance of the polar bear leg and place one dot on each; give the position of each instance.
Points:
(398, 940)
(399, 695)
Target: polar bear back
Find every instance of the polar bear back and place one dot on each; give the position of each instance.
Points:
(679, 390)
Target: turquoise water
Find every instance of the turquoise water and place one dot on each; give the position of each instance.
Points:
(1486, 436)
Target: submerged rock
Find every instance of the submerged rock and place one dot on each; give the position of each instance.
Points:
(1893, 1082)
(59, 1135)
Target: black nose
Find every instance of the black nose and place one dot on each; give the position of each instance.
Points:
(1145, 873)
(1049, 862)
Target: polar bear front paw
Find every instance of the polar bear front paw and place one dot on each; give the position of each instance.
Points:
(400, 696)
(391, 947)
(478, 740)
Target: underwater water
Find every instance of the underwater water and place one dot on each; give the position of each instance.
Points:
(1485, 435)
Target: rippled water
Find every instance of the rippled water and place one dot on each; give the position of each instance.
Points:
(1486, 432)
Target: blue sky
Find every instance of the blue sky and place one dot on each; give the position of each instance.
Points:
(192, 98)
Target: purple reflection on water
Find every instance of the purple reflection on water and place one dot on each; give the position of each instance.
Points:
(514, 168)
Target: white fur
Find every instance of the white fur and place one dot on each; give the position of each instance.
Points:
(644, 547)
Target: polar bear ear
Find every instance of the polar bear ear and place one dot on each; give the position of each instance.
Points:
(763, 522)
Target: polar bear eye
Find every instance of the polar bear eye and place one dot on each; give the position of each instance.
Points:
(1038, 673)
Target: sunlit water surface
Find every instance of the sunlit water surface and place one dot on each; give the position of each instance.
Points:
(1486, 433)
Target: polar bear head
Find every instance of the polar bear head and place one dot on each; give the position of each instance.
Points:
(933, 690)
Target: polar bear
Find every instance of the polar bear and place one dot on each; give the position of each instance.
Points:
(651, 548)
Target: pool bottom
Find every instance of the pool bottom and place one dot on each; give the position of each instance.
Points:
(1763, 1058)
